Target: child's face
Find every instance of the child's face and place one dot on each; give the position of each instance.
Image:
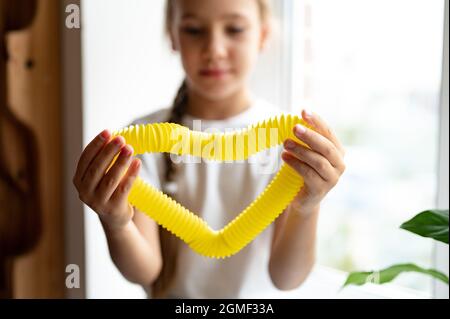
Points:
(219, 42)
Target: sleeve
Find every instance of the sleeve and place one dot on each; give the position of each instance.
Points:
(151, 169)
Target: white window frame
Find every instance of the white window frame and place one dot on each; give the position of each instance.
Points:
(441, 253)
(72, 121)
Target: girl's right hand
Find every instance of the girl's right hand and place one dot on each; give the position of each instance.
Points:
(107, 193)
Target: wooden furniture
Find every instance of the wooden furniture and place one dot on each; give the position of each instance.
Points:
(31, 216)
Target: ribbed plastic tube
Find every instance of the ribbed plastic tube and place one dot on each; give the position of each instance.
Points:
(230, 146)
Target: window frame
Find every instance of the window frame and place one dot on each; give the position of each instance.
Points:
(441, 252)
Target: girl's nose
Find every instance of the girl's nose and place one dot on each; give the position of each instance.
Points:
(216, 46)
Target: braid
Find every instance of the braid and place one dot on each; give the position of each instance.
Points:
(168, 242)
(176, 116)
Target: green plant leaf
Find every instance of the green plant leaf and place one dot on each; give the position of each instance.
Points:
(389, 274)
(430, 223)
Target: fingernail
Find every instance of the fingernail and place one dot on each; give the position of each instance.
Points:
(300, 129)
(118, 140)
(104, 135)
(289, 145)
(131, 149)
(285, 156)
(136, 164)
(126, 150)
(308, 114)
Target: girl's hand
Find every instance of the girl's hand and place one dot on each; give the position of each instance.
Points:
(107, 193)
(321, 166)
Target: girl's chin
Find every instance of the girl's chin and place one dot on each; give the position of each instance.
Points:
(217, 90)
(215, 80)
(219, 94)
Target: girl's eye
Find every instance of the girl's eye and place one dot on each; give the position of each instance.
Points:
(197, 31)
(193, 30)
(235, 30)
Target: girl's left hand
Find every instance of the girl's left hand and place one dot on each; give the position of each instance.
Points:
(321, 166)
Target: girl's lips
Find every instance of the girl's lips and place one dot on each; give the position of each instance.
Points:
(214, 73)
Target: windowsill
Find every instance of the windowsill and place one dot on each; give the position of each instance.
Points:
(326, 283)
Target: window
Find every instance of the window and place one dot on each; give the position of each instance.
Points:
(372, 70)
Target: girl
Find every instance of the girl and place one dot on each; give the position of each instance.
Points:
(219, 42)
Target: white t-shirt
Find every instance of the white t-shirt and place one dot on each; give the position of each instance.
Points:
(218, 192)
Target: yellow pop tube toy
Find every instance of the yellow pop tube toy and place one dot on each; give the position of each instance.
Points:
(238, 145)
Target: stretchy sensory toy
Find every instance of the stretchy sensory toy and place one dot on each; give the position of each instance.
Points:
(231, 146)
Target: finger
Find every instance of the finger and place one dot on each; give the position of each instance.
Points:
(319, 144)
(127, 181)
(89, 153)
(97, 168)
(310, 176)
(111, 180)
(323, 128)
(319, 163)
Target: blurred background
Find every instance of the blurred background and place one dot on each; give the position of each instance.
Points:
(376, 71)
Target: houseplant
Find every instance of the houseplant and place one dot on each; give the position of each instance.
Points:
(431, 224)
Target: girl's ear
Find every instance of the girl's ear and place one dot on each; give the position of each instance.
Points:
(266, 32)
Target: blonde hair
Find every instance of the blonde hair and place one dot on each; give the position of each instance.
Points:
(169, 243)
